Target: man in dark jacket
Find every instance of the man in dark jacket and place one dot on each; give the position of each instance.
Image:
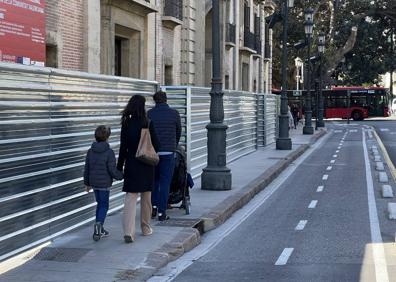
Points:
(167, 126)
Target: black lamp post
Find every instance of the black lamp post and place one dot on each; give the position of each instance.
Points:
(216, 175)
(308, 129)
(321, 49)
(283, 142)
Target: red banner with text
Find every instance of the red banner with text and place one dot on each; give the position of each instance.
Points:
(22, 31)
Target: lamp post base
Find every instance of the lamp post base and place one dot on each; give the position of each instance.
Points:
(216, 179)
(321, 123)
(308, 130)
(283, 144)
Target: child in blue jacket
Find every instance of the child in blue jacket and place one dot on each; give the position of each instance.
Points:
(99, 172)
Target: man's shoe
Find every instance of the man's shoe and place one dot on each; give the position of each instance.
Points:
(104, 232)
(162, 217)
(154, 212)
(128, 239)
(97, 233)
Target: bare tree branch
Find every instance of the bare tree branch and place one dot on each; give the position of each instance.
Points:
(339, 54)
(331, 23)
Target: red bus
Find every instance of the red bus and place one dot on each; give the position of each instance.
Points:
(356, 102)
(346, 102)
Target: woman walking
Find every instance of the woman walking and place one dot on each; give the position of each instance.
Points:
(138, 176)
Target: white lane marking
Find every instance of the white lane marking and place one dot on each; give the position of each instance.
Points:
(301, 225)
(353, 130)
(211, 239)
(284, 257)
(384, 129)
(332, 161)
(329, 168)
(337, 151)
(393, 133)
(325, 177)
(381, 271)
(313, 204)
(334, 156)
(320, 189)
(337, 131)
(339, 147)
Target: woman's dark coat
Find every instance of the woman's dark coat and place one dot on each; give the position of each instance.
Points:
(138, 176)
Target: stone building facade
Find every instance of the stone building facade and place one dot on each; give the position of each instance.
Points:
(164, 40)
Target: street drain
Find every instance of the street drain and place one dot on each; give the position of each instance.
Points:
(183, 222)
(61, 254)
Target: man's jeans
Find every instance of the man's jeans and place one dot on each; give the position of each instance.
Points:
(163, 179)
(102, 200)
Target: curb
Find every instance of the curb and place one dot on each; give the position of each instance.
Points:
(189, 238)
(184, 241)
(385, 154)
(230, 205)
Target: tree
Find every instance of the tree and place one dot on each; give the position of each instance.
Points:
(357, 33)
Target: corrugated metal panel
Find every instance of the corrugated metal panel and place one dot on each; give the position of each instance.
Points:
(178, 98)
(241, 117)
(200, 105)
(246, 117)
(271, 113)
(47, 121)
(261, 120)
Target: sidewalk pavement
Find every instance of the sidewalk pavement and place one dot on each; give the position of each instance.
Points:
(74, 256)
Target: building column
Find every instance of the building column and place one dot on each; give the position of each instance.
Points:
(107, 41)
(92, 57)
(236, 78)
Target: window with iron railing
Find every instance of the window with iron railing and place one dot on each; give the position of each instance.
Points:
(248, 39)
(267, 53)
(257, 44)
(230, 33)
(257, 34)
(173, 8)
(246, 15)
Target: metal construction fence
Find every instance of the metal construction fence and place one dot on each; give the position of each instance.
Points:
(251, 119)
(47, 122)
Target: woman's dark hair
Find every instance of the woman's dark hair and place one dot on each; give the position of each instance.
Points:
(102, 133)
(134, 109)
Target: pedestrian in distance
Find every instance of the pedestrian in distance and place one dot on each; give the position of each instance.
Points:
(167, 125)
(295, 113)
(99, 172)
(290, 117)
(138, 176)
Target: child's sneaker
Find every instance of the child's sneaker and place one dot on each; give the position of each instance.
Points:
(97, 231)
(104, 232)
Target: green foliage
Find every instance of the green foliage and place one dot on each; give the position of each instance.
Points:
(371, 54)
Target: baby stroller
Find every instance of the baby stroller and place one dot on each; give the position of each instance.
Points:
(181, 182)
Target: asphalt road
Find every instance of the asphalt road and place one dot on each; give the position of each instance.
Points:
(326, 222)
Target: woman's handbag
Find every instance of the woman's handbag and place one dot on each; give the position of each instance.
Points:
(145, 151)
